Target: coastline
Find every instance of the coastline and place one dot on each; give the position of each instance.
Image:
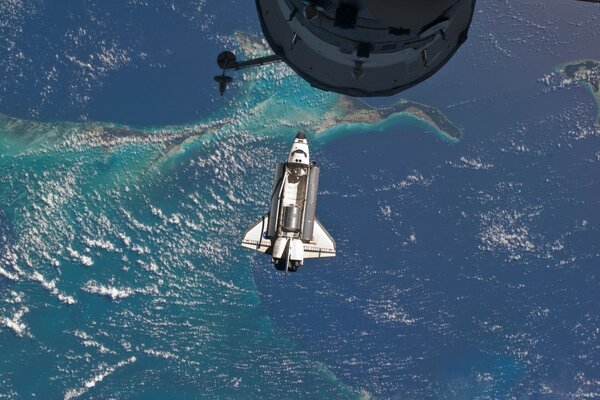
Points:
(586, 72)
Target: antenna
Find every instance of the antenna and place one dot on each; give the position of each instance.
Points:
(226, 60)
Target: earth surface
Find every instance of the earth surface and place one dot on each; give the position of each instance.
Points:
(467, 267)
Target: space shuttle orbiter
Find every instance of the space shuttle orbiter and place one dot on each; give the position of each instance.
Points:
(290, 232)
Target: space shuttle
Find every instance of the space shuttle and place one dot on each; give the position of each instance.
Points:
(290, 231)
(358, 47)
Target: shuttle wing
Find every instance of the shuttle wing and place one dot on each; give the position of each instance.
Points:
(254, 237)
(322, 244)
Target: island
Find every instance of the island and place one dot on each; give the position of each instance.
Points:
(587, 72)
(341, 109)
(267, 100)
(351, 110)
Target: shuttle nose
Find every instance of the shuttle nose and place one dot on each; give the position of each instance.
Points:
(300, 135)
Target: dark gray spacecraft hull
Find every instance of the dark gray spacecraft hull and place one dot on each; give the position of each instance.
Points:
(358, 54)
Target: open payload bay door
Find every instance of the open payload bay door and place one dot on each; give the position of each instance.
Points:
(322, 244)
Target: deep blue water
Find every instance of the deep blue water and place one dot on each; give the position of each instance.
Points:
(451, 315)
(443, 317)
(465, 270)
(140, 63)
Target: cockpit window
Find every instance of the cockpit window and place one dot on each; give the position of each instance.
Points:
(300, 151)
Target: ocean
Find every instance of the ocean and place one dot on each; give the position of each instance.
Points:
(464, 270)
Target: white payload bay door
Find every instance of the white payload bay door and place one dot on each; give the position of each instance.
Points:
(322, 245)
(254, 239)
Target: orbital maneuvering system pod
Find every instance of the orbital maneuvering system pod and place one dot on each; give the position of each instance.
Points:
(359, 47)
(290, 232)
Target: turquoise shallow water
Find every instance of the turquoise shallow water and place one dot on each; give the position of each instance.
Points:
(122, 275)
(465, 270)
(121, 269)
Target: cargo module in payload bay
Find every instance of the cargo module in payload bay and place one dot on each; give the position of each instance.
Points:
(359, 47)
(290, 232)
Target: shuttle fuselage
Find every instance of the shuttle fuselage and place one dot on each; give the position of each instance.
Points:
(290, 232)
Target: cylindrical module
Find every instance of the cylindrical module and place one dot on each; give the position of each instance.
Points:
(273, 214)
(311, 203)
(292, 218)
(365, 47)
